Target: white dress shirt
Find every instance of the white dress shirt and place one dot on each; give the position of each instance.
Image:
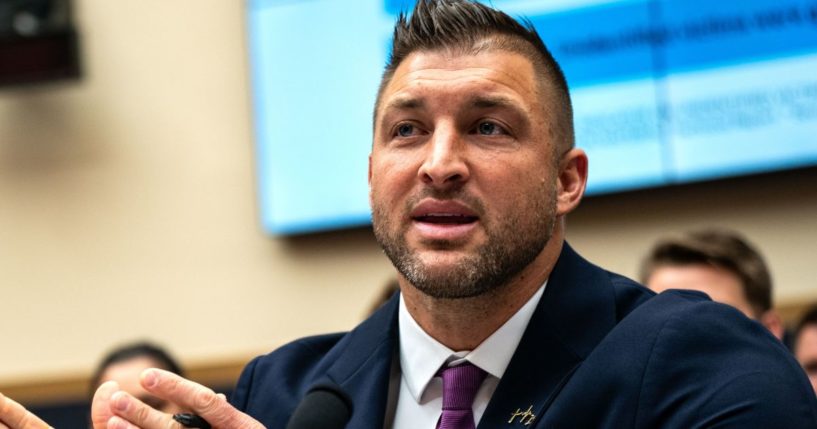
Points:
(419, 401)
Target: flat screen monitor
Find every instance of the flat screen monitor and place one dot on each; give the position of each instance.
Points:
(664, 92)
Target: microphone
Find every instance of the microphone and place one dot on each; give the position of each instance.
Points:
(325, 406)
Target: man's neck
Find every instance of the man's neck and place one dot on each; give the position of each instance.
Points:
(463, 324)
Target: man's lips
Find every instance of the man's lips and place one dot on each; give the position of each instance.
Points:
(443, 220)
(443, 212)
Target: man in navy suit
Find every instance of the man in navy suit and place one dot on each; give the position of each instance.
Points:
(472, 171)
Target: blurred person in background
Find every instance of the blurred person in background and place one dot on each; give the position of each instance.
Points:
(805, 344)
(720, 263)
(124, 364)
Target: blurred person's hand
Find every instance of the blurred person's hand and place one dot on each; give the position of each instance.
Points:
(15, 416)
(115, 409)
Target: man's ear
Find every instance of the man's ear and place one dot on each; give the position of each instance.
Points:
(774, 323)
(370, 180)
(370, 170)
(572, 181)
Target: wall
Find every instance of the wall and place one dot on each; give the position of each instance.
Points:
(127, 205)
(127, 208)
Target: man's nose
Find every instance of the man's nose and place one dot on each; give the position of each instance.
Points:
(445, 164)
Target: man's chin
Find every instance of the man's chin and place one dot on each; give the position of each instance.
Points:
(442, 260)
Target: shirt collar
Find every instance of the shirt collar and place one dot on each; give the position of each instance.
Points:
(421, 356)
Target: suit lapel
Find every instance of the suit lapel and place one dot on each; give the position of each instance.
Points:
(363, 369)
(574, 315)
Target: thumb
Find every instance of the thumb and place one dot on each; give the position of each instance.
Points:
(15, 416)
(101, 405)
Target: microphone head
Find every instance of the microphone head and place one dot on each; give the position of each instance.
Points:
(325, 406)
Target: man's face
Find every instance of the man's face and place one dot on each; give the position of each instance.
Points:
(463, 175)
(721, 285)
(805, 351)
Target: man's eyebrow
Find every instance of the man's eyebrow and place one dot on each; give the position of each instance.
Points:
(405, 103)
(491, 101)
(478, 101)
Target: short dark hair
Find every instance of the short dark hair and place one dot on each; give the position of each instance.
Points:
(468, 27)
(132, 351)
(720, 248)
(809, 318)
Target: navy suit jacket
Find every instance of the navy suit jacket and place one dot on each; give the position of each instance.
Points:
(600, 351)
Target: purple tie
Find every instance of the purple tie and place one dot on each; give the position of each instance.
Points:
(460, 385)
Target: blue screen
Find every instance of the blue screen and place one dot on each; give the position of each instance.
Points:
(664, 92)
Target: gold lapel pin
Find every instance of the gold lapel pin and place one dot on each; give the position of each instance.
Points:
(525, 417)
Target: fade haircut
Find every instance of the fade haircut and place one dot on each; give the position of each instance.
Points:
(719, 248)
(466, 27)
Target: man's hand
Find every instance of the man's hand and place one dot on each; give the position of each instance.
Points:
(15, 416)
(115, 409)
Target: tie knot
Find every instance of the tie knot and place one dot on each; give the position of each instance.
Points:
(460, 386)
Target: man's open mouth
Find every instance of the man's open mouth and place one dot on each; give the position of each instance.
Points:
(446, 218)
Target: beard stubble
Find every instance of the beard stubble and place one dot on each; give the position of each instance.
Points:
(512, 243)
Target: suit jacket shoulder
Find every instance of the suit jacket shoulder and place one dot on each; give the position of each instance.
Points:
(270, 386)
(710, 366)
(359, 362)
(683, 361)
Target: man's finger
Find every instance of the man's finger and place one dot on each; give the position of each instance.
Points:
(138, 414)
(15, 416)
(117, 422)
(101, 405)
(200, 399)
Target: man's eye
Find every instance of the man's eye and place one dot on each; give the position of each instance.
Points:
(405, 130)
(489, 129)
